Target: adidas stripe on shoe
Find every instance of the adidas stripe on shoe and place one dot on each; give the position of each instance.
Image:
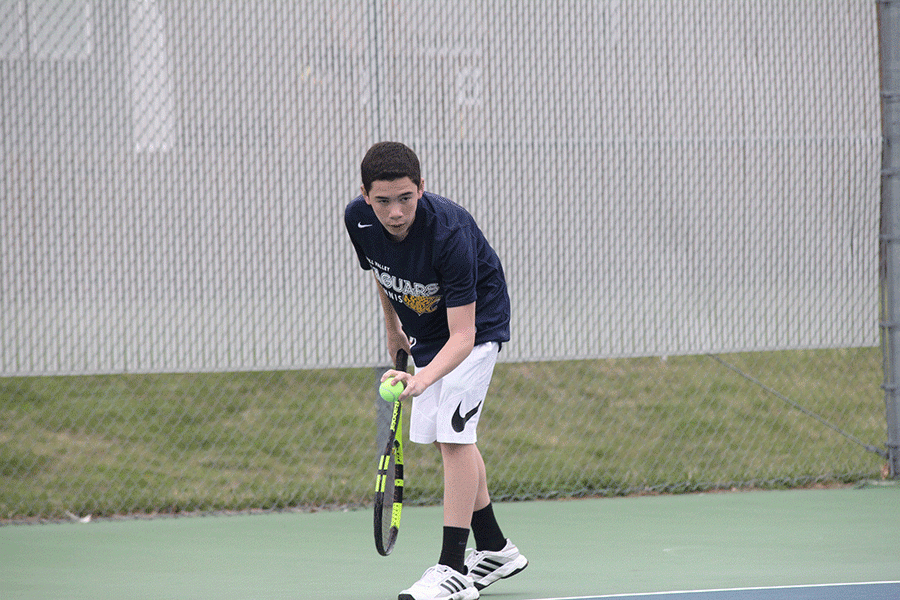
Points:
(485, 567)
(440, 582)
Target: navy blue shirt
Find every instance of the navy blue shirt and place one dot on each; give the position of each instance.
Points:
(443, 262)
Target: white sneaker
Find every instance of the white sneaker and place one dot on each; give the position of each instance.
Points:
(443, 583)
(487, 567)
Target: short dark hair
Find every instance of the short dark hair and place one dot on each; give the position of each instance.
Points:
(387, 161)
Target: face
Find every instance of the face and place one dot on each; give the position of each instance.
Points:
(394, 203)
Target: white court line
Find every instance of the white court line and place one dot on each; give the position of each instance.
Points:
(713, 591)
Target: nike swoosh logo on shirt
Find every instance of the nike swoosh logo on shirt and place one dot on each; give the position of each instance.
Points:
(364, 225)
(458, 422)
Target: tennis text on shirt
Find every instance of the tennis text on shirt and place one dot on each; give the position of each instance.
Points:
(419, 297)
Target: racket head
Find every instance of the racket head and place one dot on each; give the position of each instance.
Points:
(388, 503)
(389, 477)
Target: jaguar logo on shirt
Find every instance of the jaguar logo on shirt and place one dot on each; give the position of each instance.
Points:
(419, 297)
(421, 304)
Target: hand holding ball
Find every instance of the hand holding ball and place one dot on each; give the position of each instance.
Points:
(388, 392)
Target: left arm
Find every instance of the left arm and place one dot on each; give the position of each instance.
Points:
(461, 323)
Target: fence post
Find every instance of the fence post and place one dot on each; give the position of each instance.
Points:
(889, 57)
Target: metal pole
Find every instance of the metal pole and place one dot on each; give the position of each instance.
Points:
(889, 56)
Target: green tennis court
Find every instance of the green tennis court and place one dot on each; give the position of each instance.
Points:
(735, 546)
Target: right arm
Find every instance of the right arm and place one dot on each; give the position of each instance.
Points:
(396, 338)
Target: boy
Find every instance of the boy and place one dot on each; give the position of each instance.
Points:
(444, 298)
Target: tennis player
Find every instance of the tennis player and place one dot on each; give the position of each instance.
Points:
(444, 298)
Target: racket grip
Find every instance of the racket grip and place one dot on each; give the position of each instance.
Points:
(401, 361)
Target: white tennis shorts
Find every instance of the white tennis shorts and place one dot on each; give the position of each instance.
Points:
(448, 411)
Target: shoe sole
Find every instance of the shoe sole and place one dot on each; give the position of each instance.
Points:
(457, 596)
(480, 586)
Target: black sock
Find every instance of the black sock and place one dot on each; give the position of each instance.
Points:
(486, 530)
(453, 552)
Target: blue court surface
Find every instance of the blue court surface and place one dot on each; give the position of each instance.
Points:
(882, 590)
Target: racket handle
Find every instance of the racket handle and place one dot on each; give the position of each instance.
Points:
(402, 360)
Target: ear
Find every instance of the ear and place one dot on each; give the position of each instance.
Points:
(365, 195)
(421, 188)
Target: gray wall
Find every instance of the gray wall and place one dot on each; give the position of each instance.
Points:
(658, 178)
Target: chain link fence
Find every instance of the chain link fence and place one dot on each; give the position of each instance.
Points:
(685, 197)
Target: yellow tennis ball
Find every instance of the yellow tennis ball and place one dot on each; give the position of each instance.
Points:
(388, 392)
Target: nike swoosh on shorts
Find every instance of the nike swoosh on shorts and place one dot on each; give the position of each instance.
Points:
(458, 422)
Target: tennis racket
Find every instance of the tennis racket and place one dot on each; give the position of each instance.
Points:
(389, 478)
